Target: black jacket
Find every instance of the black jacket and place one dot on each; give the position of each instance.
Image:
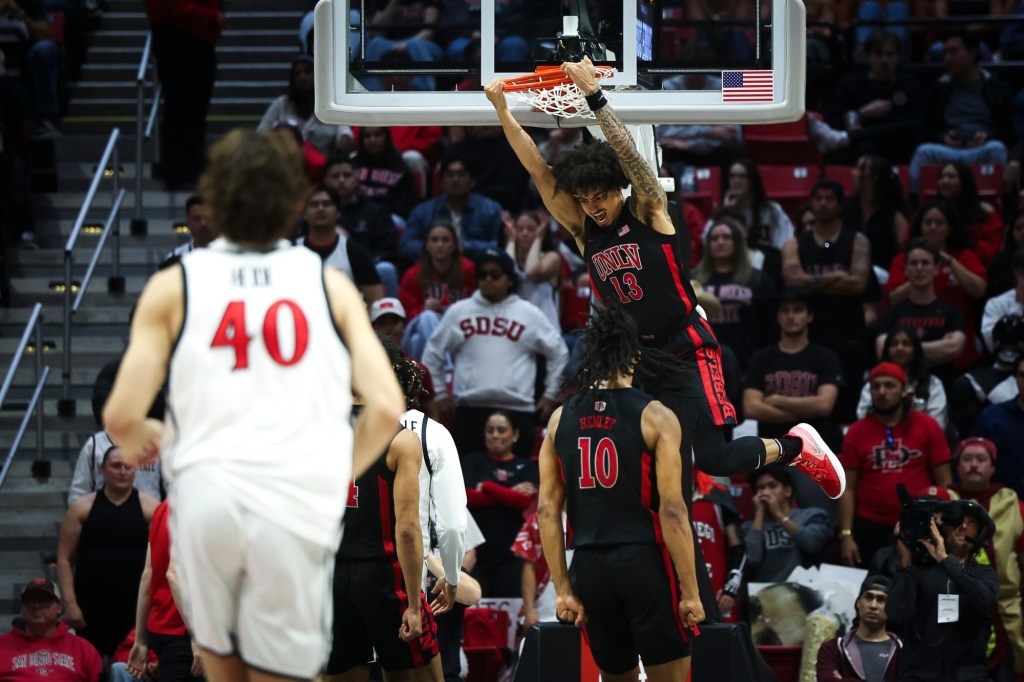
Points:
(950, 652)
(998, 95)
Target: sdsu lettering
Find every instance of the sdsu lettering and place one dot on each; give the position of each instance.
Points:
(499, 326)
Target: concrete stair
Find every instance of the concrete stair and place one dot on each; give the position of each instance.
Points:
(254, 58)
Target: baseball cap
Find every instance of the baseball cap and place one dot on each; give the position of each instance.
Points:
(933, 492)
(888, 369)
(989, 446)
(40, 586)
(502, 259)
(386, 306)
(878, 583)
(793, 293)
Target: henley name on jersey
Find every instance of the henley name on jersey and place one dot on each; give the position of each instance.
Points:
(251, 277)
(597, 422)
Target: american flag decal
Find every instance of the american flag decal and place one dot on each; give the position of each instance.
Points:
(624, 230)
(748, 86)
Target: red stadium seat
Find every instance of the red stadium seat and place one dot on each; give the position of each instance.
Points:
(989, 178)
(709, 190)
(844, 174)
(782, 143)
(928, 186)
(789, 185)
(903, 170)
(743, 498)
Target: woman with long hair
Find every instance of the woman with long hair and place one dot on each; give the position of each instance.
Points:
(768, 224)
(902, 346)
(529, 241)
(878, 208)
(1000, 272)
(958, 187)
(744, 291)
(439, 278)
(295, 108)
(961, 277)
(383, 175)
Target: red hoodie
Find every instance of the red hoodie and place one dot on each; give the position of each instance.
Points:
(65, 657)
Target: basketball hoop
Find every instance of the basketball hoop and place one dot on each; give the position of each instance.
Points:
(550, 90)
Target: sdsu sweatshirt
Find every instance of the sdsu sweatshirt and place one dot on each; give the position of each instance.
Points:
(65, 657)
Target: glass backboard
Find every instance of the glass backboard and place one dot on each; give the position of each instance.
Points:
(417, 62)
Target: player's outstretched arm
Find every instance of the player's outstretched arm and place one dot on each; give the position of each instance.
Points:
(563, 207)
(404, 457)
(646, 188)
(662, 433)
(143, 369)
(372, 376)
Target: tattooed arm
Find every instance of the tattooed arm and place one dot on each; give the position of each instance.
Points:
(651, 201)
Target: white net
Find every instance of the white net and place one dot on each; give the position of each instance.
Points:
(564, 100)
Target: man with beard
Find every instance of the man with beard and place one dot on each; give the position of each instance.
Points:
(892, 444)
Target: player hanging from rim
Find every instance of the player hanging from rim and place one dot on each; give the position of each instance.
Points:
(634, 256)
(611, 456)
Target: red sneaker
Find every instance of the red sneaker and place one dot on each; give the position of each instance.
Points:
(817, 461)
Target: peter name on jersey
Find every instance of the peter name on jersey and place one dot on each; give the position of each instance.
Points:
(250, 277)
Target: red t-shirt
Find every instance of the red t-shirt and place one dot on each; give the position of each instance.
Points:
(413, 296)
(916, 446)
(949, 290)
(163, 617)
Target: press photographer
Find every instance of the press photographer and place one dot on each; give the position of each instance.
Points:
(941, 599)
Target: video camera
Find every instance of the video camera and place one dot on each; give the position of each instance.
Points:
(916, 522)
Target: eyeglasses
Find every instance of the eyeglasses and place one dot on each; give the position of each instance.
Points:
(326, 203)
(490, 274)
(600, 196)
(890, 442)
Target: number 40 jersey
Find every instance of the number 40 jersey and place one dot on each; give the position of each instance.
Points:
(611, 484)
(260, 387)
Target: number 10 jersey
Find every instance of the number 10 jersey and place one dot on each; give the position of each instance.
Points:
(260, 387)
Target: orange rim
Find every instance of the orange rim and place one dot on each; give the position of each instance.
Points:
(546, 78)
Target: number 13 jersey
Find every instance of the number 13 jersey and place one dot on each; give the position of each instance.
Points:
(611, 483)
(260, 387)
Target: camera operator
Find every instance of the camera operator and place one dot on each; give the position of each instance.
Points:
(941, 599)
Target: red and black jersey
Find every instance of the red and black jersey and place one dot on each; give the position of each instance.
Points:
(643, 269)
(611, 484)
(370, 515)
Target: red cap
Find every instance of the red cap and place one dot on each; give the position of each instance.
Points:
(934, 491)
(989, 446)
(888, 369)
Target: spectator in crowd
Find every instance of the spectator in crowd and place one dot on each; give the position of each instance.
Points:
(878, 208)
(16, 223)
(332, 243)
(366, 221)
(201, 233)
(875, 111)
(528, 240)
(961, 277)
(939, 326)
(767, 259)
(892, 444)
(902, 346)
(958, 187)
(441, 276)
(88, 474)
(295, 107)
(407, 26)
(477, 219)
(868, 651)
(716, 526)
(767, 223)
(975, 465)
(834, 265)
(499, 486)
(101, 554)
(1003, 424)
(966, 112)
(944, 606)
(1009, 302)
(493, 324)
(795, 380)
(497, 173)
(781, 537)
(1000, 273)
(40, 646)
(159, 628)
(384, 176)
(537, 588)
(28, 21)
(985, 385)
(185, 36)
(745, 293)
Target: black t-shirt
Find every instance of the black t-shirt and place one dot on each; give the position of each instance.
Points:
(370, 225)
(932, 321)
(874, 657)
(838, 320)
(499, 524)
(745, 323)
(774, 372)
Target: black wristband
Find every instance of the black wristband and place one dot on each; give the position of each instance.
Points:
(596, 100)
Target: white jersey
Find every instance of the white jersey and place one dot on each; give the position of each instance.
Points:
(442, 492)
(260, 387)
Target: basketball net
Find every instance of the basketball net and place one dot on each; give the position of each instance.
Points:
(548, 89)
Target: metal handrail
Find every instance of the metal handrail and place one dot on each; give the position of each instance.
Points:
(143, 129)
(116, 282)
(34, 325)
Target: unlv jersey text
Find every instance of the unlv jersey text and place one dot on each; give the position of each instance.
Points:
(498, 326)
(618, 257)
